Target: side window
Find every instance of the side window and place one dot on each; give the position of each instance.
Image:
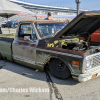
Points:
(26, 29)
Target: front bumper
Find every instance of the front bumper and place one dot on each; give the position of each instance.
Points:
(95, 72)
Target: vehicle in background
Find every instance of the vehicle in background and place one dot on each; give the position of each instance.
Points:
(8, 24)
(95, 37)
(15, 23)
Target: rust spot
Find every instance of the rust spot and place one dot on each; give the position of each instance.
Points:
(24, 43)
(31, 51)
(23, 47)
(33, 45)
(47, 61)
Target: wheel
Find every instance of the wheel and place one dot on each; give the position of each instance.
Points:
(59, 69)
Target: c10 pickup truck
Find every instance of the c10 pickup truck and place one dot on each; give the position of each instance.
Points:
(38, 44)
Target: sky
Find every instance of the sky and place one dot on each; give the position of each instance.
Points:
(85, 4)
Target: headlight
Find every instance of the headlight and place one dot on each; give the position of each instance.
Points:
(88, 63)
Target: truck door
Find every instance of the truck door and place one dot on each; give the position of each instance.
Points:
(24, 45)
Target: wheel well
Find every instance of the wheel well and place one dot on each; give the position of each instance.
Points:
(46, 65)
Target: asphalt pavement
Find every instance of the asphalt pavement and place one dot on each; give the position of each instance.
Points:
(18, 82)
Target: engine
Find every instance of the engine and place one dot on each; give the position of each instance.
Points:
(78, 46)
(75, 44)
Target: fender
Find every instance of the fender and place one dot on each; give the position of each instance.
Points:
(61, 58)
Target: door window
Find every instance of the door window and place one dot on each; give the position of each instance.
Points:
(27, 30)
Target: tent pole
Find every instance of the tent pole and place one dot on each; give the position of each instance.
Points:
(36, 17)
(8, 24)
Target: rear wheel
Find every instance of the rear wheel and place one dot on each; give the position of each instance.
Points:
(59, 69)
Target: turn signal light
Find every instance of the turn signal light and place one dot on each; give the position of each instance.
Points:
(94, 75)
(75, 62)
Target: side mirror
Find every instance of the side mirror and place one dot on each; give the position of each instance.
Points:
(27, 38)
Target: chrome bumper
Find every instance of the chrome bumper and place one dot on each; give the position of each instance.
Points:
(89, 75)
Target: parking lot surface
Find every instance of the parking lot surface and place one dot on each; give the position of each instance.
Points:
(22, 83)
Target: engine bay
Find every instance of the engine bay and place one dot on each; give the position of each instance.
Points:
(84, 47)
(76, 44)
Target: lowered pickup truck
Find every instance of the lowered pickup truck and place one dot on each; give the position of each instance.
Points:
(38, 44)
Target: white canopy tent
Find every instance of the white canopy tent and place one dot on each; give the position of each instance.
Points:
(8, 9)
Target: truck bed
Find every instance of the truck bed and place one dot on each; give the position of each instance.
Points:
(6, 48)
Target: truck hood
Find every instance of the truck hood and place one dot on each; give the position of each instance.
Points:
(88, 21)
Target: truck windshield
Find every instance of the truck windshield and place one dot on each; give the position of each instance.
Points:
(49, 30)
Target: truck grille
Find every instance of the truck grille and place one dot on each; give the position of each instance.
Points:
(96, 61)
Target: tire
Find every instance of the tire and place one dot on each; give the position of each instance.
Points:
(59, 69)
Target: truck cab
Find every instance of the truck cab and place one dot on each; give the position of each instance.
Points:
(30, 36)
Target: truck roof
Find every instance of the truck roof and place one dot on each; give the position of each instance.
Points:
(42, 21)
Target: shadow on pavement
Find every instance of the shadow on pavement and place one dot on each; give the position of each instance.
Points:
(34, 74)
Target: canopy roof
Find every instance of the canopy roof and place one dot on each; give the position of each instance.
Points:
(8, 9)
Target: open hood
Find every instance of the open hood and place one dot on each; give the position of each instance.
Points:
(88, 21)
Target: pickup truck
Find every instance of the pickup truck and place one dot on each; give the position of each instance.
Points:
(42, 43)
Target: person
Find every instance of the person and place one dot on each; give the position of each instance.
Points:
(22, 29)
(49, 17)
(14, 25)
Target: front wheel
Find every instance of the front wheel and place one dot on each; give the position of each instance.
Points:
(59, 69)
